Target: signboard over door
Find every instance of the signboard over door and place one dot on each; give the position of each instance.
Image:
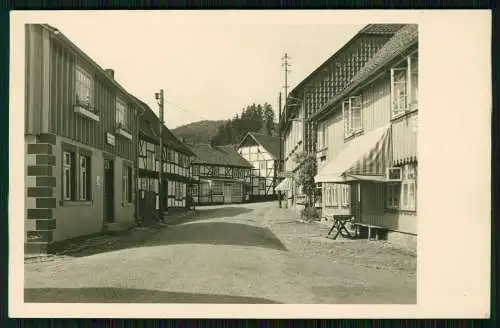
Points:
(110, 139)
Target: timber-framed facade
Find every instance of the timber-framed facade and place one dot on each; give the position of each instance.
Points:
(220, 175)
(262, 151)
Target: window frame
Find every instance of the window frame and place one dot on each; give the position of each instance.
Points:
(409, 69)
(84, 194)
(69, 179)
(121, 117)
(348, 111)
(89, 102)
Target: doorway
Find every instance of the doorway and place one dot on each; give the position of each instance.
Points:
(356, 200)
(228, 190)
(109, 196)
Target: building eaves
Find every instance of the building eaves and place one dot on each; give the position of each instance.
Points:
(400, 42)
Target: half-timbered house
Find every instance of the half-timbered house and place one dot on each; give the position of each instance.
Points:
(220, 175)
(367, 154)
(313, 93)
(176, 169)
(262, 151)
(80, 143)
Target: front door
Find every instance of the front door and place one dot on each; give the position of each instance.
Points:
(109, 213)
(228, 190)
(356, 201)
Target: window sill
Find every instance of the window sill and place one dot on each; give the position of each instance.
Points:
(352, 135)
(71, 203)
(403, 114)
(127, 204)
(85, 112)
(400, 210)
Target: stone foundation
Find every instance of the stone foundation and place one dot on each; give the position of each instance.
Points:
(40, 193)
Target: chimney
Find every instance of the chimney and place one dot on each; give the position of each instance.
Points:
(110, 72)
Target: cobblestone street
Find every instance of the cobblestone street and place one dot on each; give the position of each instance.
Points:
(249, 253)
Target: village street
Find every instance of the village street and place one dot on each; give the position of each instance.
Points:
(248, 253)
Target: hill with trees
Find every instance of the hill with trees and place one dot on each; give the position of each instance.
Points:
(253, 118)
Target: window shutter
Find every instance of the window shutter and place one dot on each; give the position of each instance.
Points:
(355, 104)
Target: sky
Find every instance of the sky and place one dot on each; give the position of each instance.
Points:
(210, 66)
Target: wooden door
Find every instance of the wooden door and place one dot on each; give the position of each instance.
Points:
(109, 197)
(228, 191)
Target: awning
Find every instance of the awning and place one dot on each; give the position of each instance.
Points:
(284, 185)
(364, 158)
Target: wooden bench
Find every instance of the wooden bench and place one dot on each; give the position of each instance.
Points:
(373, 230)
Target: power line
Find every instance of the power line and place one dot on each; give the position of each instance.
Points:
(186, 110)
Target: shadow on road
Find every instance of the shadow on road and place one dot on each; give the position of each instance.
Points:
(129, 295)
(218, 233)
(213, 213)
(213, 233)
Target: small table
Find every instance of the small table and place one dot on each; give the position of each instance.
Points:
(339, 222)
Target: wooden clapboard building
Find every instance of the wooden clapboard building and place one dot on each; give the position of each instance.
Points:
(220, 175)
(176, 169)
(80, 143)
(368, 140)
(312, 94)
(262, 151)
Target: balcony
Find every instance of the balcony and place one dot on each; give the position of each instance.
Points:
(86, 109)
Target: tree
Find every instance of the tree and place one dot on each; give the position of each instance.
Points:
(268, 119)
(305, 179)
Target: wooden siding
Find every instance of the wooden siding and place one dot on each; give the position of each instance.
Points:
(374, 210)
(37, 78)
(65, 122)
(376, 104)
(404, 139)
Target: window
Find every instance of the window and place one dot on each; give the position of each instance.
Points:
(351, 110)
(84, 178)
(196, 170)
(263, 167)
(337, 195)
(404, 86)
(322, 136)
(68, 175)
(262, 183)
(121, 113)
(84, 85)
(150, 161)
(217, 188)
(127, 184)
(222, 171)
(403, 195)
(194, 190)
(178, 190)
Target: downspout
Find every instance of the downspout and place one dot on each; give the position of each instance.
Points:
(137, 192)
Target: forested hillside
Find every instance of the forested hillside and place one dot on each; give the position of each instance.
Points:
(253, 118)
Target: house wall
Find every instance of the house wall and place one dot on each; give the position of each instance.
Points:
(50, 121)
(77, 218)
(376, 112)
(66, 123)
(239, 179)
(264, 168)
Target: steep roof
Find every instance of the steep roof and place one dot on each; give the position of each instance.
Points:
(150, 127)
(270, 143)
(379, 29)
(218, 155)
(400, 42)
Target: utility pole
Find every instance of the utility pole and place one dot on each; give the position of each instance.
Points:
(159, 99)
(286, 66)
(280, 154)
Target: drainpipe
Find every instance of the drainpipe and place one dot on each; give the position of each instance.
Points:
(137, 192)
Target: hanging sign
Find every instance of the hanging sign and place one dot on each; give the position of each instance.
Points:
(110, 139)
